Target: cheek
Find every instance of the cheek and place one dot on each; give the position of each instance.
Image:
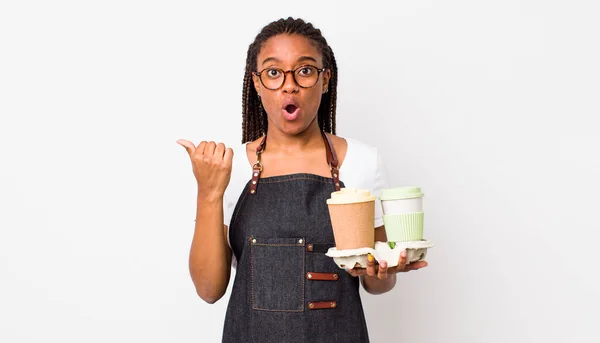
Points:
(270, 105)
(314, 101)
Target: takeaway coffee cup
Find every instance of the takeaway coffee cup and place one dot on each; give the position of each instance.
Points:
(403, 213)
(352, 213)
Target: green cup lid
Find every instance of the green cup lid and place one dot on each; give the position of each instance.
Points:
(401, 193)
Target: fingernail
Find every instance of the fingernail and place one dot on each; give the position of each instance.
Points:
(403, 253)
(383, 264)
(370, 258)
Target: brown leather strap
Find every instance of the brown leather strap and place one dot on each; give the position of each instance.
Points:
(335, 174)
(255, 176)
(318, 305)
(262, 145)
(332, 161)
(319, 247)
(331, 156)
(257, 167)
(322, 276)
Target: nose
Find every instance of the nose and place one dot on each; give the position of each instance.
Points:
(289, 84)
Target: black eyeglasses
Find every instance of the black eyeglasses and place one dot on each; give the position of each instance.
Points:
(305, 76)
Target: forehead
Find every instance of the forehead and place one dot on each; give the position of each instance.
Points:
(288, 49)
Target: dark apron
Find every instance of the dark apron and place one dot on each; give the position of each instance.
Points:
(285, 288)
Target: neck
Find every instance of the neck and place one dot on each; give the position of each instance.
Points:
(278, 141)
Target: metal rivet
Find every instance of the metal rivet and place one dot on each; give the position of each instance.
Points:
(332, 304)
(335, 276)
(253, 191)
(337, 184)
(254, 182)
(254, 240)
(334, 175)
(310, 247)
(309, 275)
(311, 305)
(255, 174)
(300, 240)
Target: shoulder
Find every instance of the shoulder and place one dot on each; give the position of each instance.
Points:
(250, 146)
(355, 150)
(362, 165)
(340, 146)
(240, 171)
(337, 141)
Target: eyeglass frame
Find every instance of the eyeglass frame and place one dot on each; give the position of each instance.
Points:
(291, 71)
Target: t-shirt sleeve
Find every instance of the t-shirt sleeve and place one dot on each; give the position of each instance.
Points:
(232, 193)
(228, 207)
(380, 182)
(235, 187)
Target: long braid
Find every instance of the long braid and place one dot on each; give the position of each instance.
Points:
(245, 95)
(254, 119)
(250, 124)
(327, 113)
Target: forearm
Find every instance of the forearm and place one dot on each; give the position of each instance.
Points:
(373, 285)
(210, 255)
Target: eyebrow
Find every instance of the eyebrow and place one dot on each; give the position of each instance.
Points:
(300, 59)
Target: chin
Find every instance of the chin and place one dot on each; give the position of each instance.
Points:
(293, 128)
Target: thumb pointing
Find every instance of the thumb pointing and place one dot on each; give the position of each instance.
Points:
(189, 146)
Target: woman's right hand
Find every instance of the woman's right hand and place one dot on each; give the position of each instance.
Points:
(211, 164)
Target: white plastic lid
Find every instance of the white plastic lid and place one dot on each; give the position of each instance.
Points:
(350, 196)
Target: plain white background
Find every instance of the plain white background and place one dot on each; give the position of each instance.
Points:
(490, 107)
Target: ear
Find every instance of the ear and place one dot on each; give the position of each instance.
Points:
(326, 77)
(256, 82)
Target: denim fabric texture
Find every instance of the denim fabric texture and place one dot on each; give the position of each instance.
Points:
(269, 234)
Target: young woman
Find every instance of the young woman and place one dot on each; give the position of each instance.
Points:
(262, 209)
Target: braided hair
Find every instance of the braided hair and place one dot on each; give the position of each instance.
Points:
(254, 118)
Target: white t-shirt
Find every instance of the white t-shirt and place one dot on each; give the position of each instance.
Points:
(362, 168)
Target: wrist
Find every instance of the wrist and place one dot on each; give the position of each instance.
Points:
(209, 196)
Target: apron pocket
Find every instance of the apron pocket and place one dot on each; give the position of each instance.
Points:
(277, 269)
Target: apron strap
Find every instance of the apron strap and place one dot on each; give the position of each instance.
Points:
(331, 160)
(257, 167)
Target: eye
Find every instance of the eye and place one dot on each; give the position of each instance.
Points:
(273, 73)
(306, 71)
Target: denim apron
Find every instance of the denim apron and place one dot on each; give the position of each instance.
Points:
(285, 289)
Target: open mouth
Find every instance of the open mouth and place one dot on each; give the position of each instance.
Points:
(291, 108)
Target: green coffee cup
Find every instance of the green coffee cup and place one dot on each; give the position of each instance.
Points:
(404, 227)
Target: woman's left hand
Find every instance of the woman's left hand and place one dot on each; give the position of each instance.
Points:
(381, 271)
